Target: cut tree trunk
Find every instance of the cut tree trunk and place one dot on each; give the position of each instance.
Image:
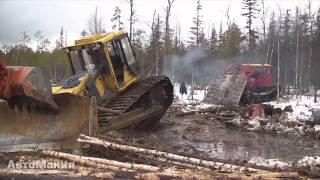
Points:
(190, 160)
(141, 169)
(101, 163)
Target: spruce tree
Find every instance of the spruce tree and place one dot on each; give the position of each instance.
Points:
(251, 10)
(116, 19)
(197, 35)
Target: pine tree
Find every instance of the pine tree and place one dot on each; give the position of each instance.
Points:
(45, 44)
(178, 46)
(139, 49)
(60, 41)
(61, 38)
(271, 39)
(39, 38)
(26, 39)
(287, 46)
(251, 10)
(197, 29)
(95, 23)
(167, 34)
(154, 49)
(116, 19)
(220, 40)
(263, 19)
(231, 41)
(157, 45)
(213, 41)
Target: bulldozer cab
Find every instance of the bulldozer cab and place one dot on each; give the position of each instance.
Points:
(108, 58)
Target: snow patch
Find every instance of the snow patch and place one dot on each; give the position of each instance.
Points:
(270, 163)
(187, 102)
(302, 108)
(312, 163)
(299, 122)
(309, 163)
(253, 124)
(317, 128)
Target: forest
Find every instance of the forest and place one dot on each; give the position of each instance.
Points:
(290, 41)
(216, 95)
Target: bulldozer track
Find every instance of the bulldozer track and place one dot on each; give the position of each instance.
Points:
(133, 97)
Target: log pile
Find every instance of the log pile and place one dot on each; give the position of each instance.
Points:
(167, 157)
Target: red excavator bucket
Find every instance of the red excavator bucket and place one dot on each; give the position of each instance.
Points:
(27, 121)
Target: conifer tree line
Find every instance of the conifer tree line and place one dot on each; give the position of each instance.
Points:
(287, 39)
(53, 61)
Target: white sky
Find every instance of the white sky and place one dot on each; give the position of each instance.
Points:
(49, 15)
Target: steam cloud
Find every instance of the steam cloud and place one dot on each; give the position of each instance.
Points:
(204, 68)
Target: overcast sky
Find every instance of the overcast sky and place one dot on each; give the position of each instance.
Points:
(48, 16)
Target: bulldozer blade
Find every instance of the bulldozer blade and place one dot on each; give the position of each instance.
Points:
(25, 130)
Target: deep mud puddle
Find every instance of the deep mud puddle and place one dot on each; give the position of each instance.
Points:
(194, 135)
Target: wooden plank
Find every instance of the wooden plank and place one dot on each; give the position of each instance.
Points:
(93, 116)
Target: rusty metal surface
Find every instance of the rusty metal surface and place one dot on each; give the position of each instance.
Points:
(227, 90)
(23, 127)
(19, 84)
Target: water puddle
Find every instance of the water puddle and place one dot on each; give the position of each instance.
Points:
(212, 139)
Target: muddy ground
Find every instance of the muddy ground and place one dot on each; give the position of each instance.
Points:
(193, 135)
(199, 136)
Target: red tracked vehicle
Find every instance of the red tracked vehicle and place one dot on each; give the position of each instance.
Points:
(259, 87)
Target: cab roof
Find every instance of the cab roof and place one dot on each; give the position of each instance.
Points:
(96, 38)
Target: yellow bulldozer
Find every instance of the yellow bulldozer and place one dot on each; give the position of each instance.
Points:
(104, 82)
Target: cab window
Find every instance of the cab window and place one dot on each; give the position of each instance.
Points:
(83, 59)
(127, 51)
(77, 62)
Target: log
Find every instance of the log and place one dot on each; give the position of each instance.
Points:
(177, 163)
(190, 160)
(92, 174)
(88, 173)
(277, 175)
(101, 163)
(125, 167)
(113, 139)
(159, 159)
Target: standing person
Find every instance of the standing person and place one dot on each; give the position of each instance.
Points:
(183, 88)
